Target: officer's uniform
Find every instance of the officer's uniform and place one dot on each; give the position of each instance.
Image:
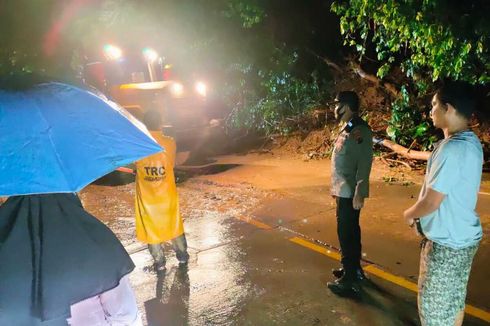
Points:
(351, 165)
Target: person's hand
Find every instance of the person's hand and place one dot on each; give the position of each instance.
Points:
(358, 201)
(411, 223)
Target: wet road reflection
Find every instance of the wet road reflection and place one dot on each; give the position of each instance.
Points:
(239, 274)
(171, 303)
(209, 291)
(217, 279)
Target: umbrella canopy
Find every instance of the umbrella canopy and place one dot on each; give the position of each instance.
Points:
(57, 138)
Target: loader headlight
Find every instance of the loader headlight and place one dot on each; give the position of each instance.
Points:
(201, 88)
(177, 89)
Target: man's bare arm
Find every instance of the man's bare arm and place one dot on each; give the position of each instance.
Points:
(424, 206)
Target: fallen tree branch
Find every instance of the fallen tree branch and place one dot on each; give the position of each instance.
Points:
(332, 64)
(359, 71)
(405, 164)
(329, 62)
(403, 151)
(387, 155)
(389, 87)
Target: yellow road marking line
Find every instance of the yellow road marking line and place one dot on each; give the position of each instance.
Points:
(400, 281)
(371, 269)
(477, 312)
(256, 223)
(324, 251)
(390, 277)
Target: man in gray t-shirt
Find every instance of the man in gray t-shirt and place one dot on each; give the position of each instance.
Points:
(445, 210)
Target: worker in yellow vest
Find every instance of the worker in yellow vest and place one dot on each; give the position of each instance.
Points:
(157, 204)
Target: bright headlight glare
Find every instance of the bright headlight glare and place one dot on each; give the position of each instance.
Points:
(177, 89)
(201, 88)
(112, 52)
(150, 54)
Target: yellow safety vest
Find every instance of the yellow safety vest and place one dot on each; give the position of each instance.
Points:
(157, 204)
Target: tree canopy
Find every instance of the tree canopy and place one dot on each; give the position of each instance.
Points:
(267, 57)
(426, 38)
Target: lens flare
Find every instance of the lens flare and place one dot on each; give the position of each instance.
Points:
(201, 88)
(112, 52)
(150, 54)
(177, 89)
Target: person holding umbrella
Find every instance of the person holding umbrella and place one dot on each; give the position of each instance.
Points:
(60, 264)
(157, 205)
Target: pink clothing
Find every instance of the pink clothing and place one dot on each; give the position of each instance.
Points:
(116, 307)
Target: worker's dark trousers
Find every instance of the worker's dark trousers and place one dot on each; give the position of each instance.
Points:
(349, 233)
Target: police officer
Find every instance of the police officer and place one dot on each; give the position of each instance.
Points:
(351, 165)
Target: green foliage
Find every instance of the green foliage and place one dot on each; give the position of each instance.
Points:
(249, 13)
(274, 100)
(407, 124)
(429, 38)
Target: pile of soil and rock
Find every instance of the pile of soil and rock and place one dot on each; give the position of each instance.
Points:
(319, 129)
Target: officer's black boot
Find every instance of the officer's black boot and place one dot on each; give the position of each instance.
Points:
(347, 285)
(360, 276)
(338, 272)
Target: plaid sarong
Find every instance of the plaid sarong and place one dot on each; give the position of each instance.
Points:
(443, 278)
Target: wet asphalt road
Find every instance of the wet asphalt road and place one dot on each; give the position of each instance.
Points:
(245, 274)
(241, 220)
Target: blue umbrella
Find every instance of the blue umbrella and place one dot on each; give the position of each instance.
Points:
(59, 138)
